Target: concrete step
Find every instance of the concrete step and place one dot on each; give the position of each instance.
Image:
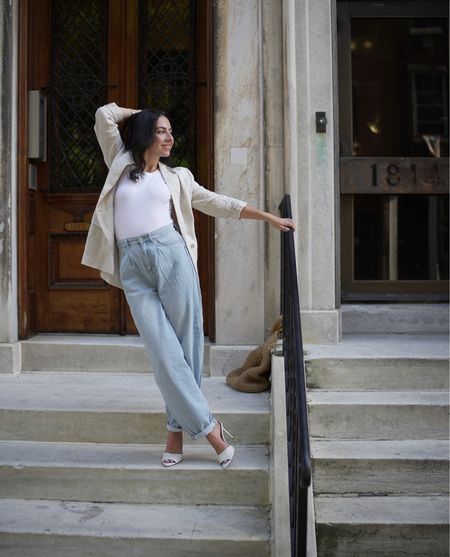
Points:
(115, 408)
(131, 474)
(71, 529)
(380, 373)
(395, 318)
(378, 414)
(88, 353)
(389, 361)
(111, 353)
(411, 467)
(382, 526)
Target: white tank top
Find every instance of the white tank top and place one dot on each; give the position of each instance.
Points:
(141, 207)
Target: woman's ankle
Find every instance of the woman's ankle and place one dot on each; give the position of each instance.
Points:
(174, 443)
(215, 440)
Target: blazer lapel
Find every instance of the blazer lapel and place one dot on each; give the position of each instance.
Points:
(116, 170)
(173, 184)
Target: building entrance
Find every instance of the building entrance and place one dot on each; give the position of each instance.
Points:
(393, 112)
(75, 57)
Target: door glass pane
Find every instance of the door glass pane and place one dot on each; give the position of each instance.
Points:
(371, 245)
(79, 49)
(399, 86)
(403, 237)
(423, 237)
(167, 70)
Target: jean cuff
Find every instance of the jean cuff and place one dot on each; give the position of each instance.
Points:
(174, 429)
(204, 432)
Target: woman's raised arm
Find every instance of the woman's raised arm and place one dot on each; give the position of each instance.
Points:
(106, 129)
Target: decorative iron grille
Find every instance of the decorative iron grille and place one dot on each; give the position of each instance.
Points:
(167, 70)
(79, 47)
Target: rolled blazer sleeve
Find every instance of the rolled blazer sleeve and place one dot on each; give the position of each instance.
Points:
(106, 129)
(213, 204)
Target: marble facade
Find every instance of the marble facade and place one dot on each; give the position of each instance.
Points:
(276, 68)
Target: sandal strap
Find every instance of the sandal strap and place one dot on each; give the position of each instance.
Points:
(226, 455)
(173, 457)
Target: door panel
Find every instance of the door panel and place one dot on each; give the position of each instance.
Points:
(68, 61)
(83, 55)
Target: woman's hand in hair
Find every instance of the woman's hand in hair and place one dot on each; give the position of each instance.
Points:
(130, 111)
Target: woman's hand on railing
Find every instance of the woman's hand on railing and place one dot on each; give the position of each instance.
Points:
(275, 221)
(281, 224)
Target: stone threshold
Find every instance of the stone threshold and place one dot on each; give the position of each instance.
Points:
(103, 353)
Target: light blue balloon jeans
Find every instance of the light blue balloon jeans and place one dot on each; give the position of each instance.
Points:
(162, 289)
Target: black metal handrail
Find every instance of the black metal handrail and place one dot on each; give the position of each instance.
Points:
(299, 457)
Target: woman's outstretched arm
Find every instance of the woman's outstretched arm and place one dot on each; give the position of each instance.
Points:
(277, 222)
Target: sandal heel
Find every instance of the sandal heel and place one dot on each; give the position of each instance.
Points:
(226, 456)
(227, 432)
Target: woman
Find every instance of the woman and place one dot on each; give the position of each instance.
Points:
(142, 239)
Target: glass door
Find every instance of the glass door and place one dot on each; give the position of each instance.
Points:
(393, 111)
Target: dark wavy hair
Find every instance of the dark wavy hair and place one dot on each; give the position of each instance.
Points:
(138, 133)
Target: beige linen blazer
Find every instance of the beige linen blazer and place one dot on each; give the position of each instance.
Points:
(101, 250)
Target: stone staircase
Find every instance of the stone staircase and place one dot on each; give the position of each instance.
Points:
(378, 411)
(80, 471)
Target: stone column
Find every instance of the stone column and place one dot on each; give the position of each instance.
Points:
(239, 171)
(9, 347)
(272, 41)
(309, 63)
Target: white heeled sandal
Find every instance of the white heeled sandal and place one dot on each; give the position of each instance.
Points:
(226, 456)
(170, 459)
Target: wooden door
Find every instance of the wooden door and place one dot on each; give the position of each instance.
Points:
(81, 55)
(393, 131)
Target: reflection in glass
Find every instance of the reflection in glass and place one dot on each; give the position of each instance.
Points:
(399, 85)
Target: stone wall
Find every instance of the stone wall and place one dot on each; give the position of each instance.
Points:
(239, 171)
(8, 197)
(275, 68)
(315, 191)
